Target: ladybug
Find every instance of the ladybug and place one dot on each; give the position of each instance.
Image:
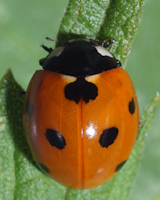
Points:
(81, 114)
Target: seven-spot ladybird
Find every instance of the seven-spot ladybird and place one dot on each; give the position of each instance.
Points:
(81, 114)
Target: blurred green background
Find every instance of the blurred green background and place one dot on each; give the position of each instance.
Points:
(23, 28)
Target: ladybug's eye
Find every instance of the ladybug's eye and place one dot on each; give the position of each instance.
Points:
(56, 52)
(104, 52)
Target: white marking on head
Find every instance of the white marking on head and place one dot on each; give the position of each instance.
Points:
(56, 52)
(104, 52)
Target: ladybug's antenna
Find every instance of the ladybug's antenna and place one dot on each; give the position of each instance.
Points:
(47, 38)
(46, 48)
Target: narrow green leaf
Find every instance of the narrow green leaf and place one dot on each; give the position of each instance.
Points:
(82, 19)
(146, 121)
(7, 167)
(19, 177)
(103, 19)
(121, 24)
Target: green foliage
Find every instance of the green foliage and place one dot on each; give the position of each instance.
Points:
(104, 19)
(20, 178)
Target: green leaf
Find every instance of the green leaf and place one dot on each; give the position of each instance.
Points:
(103, 19)
(19, 177)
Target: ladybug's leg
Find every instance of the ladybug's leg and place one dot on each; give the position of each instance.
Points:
(46, 48)
(107, 43)
(23, 92)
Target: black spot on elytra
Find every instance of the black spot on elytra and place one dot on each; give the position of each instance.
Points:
(120, 166)
(55, 138)
(108, 136)
(132, 106)
(43, 168)
(30, 108)
(81, 89)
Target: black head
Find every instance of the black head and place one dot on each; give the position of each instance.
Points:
(79, 58)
